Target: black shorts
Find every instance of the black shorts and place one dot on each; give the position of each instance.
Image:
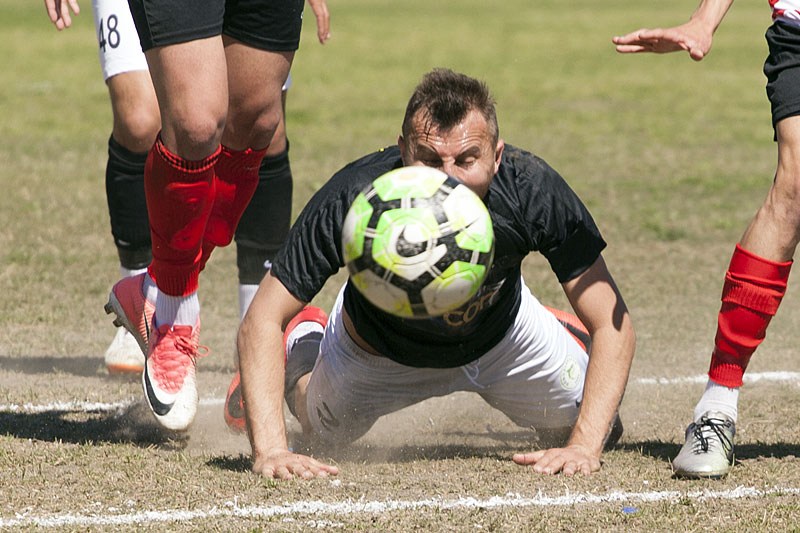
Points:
(272, 25)
(782, 69)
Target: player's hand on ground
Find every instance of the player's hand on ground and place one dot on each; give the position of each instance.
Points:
(283, 464)
(58, 11)
(569, 460)
(691, 37)
(323, 16)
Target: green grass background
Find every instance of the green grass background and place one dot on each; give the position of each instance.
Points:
(672, 157)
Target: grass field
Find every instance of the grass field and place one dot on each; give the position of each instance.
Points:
(671, 156)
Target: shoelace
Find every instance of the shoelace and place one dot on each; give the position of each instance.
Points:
(714, 425)
(189, 347)
(170, 365)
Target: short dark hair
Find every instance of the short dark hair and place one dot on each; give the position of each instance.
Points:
(446, 97)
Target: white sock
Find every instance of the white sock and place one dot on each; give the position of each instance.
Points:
(128, 273)
(177, 310)
(301, 330)
(246, 294)
(718, 398)
(149, 289)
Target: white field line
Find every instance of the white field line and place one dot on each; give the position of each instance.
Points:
(748, 378)
(88, 407)
(310, 510)
(104, 406)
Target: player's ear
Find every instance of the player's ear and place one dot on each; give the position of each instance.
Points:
(498, 154)
(401, 143)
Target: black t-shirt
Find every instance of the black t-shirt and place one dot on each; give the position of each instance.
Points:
(532, 209)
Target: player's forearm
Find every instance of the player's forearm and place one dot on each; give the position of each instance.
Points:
(606, 378)
(261, 368)
(710, 13)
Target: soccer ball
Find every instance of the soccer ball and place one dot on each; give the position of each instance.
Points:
(417, 242)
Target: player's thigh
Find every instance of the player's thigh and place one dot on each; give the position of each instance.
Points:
(536, 374)
(261, 37)
(255, 81)
(191, 85)
(183, 44)
(779, 214)
(787, 132)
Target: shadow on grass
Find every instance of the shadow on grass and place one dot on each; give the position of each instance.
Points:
(80, 366)
(399, 452)
(132, 424)
(240, 463)
(666, 451)
(374, 454)
(45, 364)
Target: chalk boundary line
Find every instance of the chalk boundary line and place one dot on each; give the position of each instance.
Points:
(315, 508)
(114, 406)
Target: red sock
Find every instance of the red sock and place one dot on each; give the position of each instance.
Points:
(752, 292)
(179, 194)
(236, 178)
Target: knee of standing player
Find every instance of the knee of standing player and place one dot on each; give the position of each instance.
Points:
(196, 132)
(256, 122)
(136, 128)
(784, 197)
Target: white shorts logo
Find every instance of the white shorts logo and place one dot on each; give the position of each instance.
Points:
(570, 374)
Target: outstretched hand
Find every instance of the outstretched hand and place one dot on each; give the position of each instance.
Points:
(690, 37)
(568, 460)
(283, 464)
(58, 11)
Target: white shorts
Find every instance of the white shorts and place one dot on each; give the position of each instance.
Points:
(118, 42)
(535, 375)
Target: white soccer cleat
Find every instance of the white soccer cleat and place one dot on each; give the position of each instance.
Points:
(124, 356)
(170, 375)
(708, 450)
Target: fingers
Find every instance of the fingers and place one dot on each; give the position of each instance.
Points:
(323, 16)
(58, 12)
(288, 465)
(565, 460)
(527, 458)
(639, 36)
(631, 49)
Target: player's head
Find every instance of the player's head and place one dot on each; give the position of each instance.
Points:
(451, 124)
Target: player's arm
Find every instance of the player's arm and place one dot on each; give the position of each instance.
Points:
(261, 365)
(597, 302)
(58, 11)
(323, 16)
(693, 36)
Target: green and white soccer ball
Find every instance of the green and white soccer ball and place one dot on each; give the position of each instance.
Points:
(417, 242)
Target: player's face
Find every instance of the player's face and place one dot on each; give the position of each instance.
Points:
(466, 151)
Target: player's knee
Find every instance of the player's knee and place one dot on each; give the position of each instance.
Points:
(136, 129)
(255, 123)
(780, 207)
(196, 134)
